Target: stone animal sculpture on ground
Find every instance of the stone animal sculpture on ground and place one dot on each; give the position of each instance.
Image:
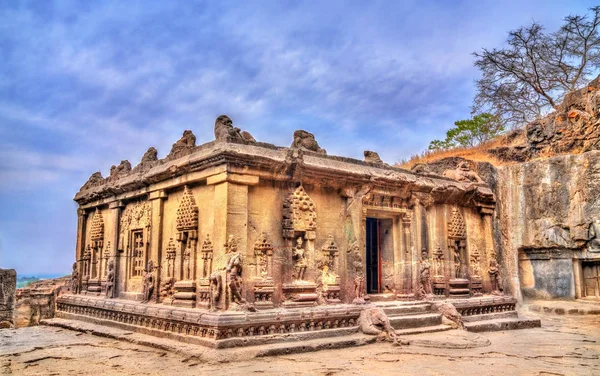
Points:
(450, 316)
(374, 321)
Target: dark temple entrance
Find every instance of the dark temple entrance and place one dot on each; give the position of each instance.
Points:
(373, 256)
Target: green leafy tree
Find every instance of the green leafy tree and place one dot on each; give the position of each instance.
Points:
(469, 133)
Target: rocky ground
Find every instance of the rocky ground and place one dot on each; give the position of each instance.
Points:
(565, 345)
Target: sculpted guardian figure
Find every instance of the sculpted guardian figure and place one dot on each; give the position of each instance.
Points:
(425, 275)
(224, 131)
(75, 280)
(110, 279)
(234, 270)
(457, 263)
(299, 257)
(494, 273)
(148, 290)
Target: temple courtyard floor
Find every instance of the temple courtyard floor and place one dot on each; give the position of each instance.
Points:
(564, 345)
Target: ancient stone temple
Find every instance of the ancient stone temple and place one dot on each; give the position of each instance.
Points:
(236, 242)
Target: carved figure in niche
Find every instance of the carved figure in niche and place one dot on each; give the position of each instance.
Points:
(110, 279)
(374, 321)
(234, 270)
(359, 274)
(148, 289)
(594, 236)
(300, 262)
(439, 257)
(75, 280)
(494, 273)
(463, 173)
(224, 131)
(216, 283)
(475, 257)
(306, 140)
(457, 262)
(373, 157)
(425, 275)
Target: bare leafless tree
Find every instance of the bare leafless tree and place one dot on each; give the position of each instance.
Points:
(528, 78)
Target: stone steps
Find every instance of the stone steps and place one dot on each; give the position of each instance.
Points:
(425, 329)
(491, 316)
(406, 309)
(415, 321)
(502, 324)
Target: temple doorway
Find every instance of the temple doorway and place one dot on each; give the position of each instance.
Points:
(591, 279)
(373, 256)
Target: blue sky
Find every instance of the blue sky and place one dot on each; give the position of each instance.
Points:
(86, 84)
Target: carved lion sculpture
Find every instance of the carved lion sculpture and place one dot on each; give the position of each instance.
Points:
(306, 140)
(463, 173)
(374, 321)
(450, 316)
(224, 131)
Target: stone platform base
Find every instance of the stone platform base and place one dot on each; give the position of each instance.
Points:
(213, 329)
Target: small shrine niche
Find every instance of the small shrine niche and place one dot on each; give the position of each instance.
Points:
(328, 265)
(299, 231)
(458, 287)
(204, 292)
(97, 243)
(134, 227)
(186, 223)
(187, 233)
(263, 285)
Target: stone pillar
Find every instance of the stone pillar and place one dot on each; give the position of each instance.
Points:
(407, 257)
(114, 220)
(489, 250)
(80, 241)
(231, 218)
(157, 199)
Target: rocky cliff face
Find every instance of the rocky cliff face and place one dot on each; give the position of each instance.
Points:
(573, 128)
(544, 216)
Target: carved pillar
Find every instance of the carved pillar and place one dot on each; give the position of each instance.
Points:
(114, 214)
(407, 285)
(157, 202)
(187, 236)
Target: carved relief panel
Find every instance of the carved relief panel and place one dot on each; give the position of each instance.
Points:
(134, 239)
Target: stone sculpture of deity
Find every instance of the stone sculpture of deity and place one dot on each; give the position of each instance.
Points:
(110, 279)
(494, 273)
(425, 275)
(299, 257)
(148, 288)
(75, 280)
(457, 263)
(234, 270)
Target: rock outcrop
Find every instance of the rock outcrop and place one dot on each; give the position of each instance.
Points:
(8, 284)
(573, 128)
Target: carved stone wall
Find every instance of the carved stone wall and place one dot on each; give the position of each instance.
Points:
(8, 285)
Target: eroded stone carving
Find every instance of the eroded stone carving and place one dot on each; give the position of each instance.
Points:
(494, 273)
(136, 215)
(300, 260)
(122, 169)
(184, 146)
(299, 214)
(594, 236)
(216, 287)
(97, 229)
(110, 279)
(207, 256)
(450, 315)
(95, 180)
(374, 321)
(263, 251)
(234, 269)
(149, 280)
(8, 285)
(359, 273)
(463, 173)
(425, 276)
(372, 156)
(75, 280)
(187, 212)
(225, 131)
(306, 140)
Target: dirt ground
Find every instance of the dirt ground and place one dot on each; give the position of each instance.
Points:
(565, 345)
